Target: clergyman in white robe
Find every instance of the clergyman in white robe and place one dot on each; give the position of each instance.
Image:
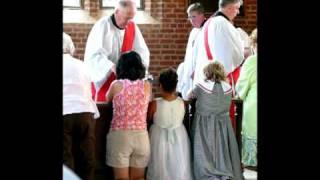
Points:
(188, 67)
(103, 49)
(225, 45)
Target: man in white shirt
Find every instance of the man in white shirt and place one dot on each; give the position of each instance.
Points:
(109, 37)
(79, 111)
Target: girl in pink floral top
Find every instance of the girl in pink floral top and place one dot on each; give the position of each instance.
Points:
(128, 141)
(130, 106)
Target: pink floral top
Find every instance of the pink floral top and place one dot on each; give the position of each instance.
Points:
(130, 106)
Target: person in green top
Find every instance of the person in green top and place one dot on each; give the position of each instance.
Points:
(246, 89)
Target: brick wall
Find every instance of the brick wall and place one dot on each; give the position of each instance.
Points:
(167, 40)
(79, 34)
(249, 21)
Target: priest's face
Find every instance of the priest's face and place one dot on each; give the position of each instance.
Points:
(124, 15)
(196, 18)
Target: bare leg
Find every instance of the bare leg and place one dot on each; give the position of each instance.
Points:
(137, 173)
(121, 173)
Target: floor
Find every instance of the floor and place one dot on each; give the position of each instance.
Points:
(249, 174)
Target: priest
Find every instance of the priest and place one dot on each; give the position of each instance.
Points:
(109, 37)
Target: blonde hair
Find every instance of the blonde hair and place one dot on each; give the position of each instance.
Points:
(254, 38)
(214, 72)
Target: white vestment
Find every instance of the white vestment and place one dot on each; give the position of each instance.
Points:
(103, 49)
(225, 45)
(185, 77)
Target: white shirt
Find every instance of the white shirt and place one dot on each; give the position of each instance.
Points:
(76, 87)
(225, 45)
(103, 49)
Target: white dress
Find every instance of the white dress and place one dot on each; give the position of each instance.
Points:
(170, 146)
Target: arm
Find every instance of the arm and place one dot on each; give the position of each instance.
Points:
(244, 81)
(110, 93)
(148, 89)
(192, 94)
(87, 88)
(151, 110)
(115, 87)
(97, 52)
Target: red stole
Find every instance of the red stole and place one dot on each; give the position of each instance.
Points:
(127, 44)
(232, 77)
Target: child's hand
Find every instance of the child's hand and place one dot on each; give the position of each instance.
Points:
(190, 95)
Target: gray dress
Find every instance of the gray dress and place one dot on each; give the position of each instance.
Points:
(215, 150)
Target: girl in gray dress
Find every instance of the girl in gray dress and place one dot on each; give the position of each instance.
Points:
(215, 151)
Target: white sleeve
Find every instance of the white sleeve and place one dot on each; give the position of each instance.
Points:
(180, 70)
(190, 53)
(96, 57)
(139, 45)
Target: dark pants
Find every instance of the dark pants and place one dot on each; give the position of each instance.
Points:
(189, 115)
(102, 128)
(79, 144)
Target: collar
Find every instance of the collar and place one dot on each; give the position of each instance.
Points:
(113, 19)
(219, 13)
(208, 86)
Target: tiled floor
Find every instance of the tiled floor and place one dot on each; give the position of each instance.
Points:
(250, 175)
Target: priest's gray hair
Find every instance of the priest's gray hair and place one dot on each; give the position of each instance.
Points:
(224, 3)
(68, 47)
(124, 3)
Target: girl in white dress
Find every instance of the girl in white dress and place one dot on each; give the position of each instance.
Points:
(170, 145)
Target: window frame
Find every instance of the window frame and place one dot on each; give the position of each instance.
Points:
(74, 7)
(142, 2)
(212, 8)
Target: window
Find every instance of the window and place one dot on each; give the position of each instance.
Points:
(72, 3)
(212, 6)
(110, 3)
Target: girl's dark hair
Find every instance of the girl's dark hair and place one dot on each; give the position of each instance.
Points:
(168, 79)
(130, 66)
